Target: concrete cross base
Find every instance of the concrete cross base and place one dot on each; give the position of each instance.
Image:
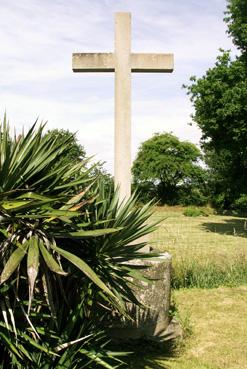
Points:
(153, 321)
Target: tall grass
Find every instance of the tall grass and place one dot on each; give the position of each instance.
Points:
(208, 251)
(191, 273)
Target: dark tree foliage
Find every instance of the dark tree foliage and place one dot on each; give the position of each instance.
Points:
(76, 151)
(236, 19)
(220, 102)
(166, 167)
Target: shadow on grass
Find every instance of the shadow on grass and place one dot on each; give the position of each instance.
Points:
(127, 336)
(230, 227)
(147, 355)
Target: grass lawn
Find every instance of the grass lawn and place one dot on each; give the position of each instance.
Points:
(208, 251)
(219, 326)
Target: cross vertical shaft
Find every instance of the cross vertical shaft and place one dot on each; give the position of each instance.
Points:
(122, 164)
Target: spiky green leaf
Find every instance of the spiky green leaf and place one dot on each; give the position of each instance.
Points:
(50, 261)
(84, 267)
(32, 266)
(13, 262)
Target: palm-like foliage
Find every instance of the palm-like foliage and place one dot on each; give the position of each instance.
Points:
(28, 161)
(63, 247)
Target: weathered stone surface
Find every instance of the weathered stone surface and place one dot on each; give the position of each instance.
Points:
(93, 62)
(122, 62)
(152, 322)
(106, 62)
(152, 63)
(122, 162)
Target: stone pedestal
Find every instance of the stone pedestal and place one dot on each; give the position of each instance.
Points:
(152, 321)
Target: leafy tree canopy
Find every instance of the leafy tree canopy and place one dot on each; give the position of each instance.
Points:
(220, 101)
(236, 19)
(76, 151)
(167, 164)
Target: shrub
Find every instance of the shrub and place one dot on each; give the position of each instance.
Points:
(66, 250)
(191, 196)
(193, 212)
(241, 204)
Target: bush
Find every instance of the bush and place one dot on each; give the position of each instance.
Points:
(191, 196)
(193, 212)
(64, 259)
(241, 204)
(202, 211)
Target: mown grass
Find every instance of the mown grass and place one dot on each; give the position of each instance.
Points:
(208, 251)
(219, 339)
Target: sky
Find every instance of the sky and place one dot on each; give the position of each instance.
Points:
(37, 40)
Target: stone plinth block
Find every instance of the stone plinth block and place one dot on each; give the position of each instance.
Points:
(153, 320)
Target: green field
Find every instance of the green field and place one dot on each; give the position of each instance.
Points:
(208, 251)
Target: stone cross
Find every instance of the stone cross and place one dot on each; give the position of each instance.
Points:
(122, 62)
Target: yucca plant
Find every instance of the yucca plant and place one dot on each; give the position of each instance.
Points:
(64, 245)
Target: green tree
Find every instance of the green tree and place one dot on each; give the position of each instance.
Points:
(76, 154)
(165, 165)
(76, 151)
(236, 19)
(220, 102)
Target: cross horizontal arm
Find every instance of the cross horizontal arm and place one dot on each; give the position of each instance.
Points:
(154, 63)
(93, 62)
(105, 62)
